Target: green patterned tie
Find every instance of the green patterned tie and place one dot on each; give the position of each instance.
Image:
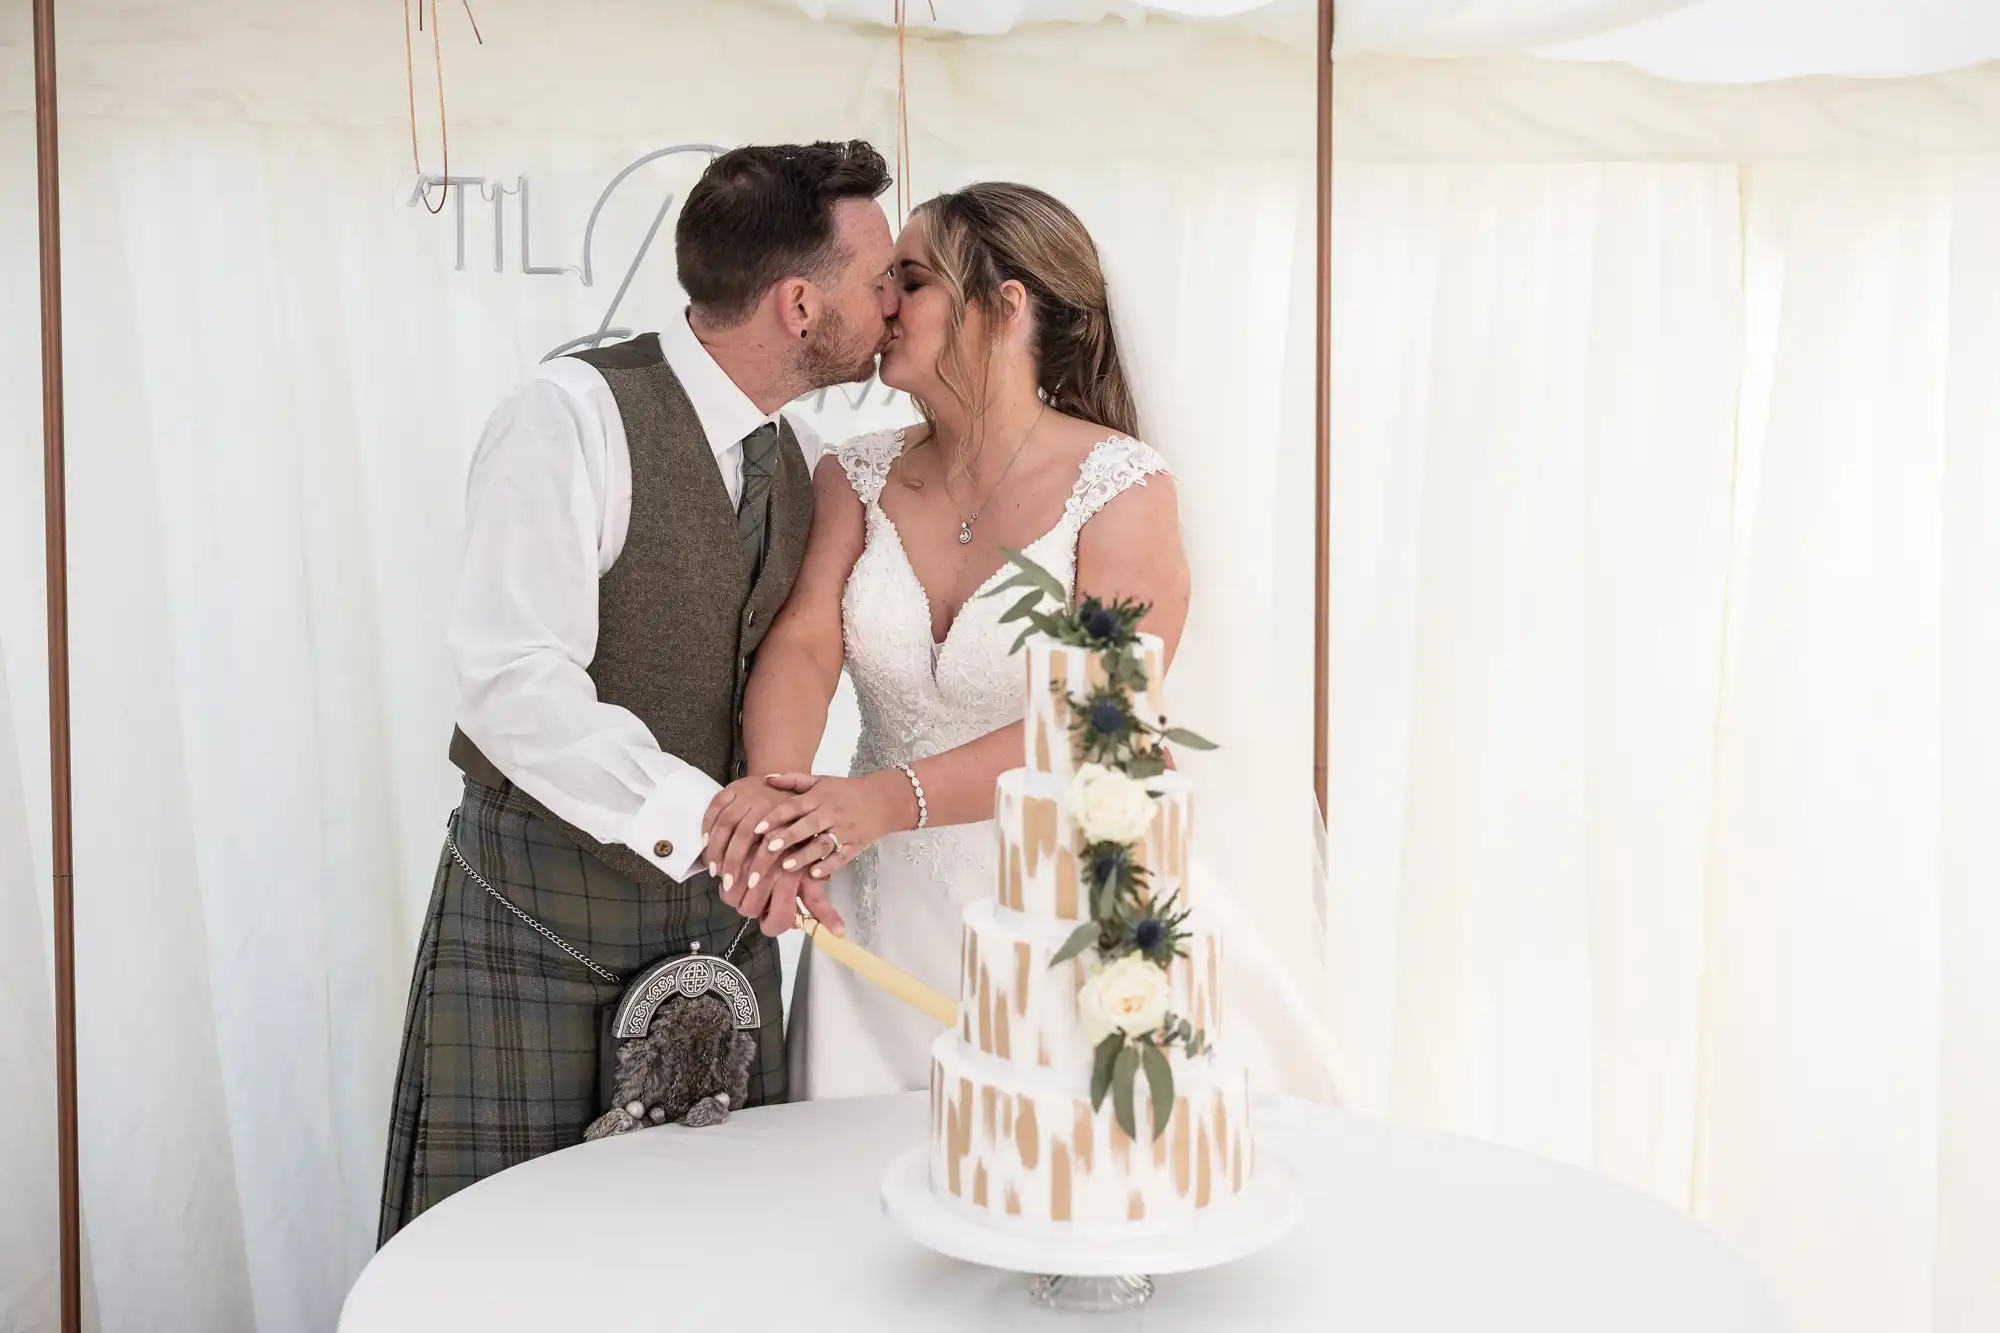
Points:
(760, 457)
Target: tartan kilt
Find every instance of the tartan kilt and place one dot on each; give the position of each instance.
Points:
(500, 1060)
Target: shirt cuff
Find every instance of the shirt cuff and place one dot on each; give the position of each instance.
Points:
(667, 829)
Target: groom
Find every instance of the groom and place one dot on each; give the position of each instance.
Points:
(635, 516)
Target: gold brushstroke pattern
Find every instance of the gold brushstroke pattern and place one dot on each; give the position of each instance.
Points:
(1022, 960)
(1201, 1182)
(1038, 830)
(958, 1134)
(985, 1011)
(1046, 706)
(1066, 895)
(1179, 1133)
(989, 1114)
(1002, 1045)
(979, 1185)
(1084, 1137)
(1013, 1203)
(1059, 1206)
(938, 1139)
(1027, 1137)
(1135, 1211)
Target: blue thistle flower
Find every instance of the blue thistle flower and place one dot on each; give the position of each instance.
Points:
(1099, 623)
(1149, 935)
(1109, 718)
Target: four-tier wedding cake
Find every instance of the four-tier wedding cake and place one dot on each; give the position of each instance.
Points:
(1082, 1091)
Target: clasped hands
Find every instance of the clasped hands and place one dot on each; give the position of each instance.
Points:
(773, 843)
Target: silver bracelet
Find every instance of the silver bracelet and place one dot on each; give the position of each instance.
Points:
(923, 807)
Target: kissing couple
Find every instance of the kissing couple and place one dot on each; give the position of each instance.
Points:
(664, 577)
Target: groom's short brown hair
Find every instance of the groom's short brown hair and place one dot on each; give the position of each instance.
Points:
(765, 212)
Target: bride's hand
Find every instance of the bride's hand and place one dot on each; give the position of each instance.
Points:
(733, 820)
(818, 831)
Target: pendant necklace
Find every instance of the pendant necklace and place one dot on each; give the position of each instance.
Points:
(964, 522)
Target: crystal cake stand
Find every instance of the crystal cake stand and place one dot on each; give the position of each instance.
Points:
(1078, 1274)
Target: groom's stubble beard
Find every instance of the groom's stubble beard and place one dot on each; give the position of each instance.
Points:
(835, 355)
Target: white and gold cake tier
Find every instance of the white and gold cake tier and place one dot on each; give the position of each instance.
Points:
(1041, 868)
(1023, 1148)
(1057, 671)
(1017, 1008)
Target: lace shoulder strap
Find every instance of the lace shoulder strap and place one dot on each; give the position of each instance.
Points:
(866, 459)
(1111, 467)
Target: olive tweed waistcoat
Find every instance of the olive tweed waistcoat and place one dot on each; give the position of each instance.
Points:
(680, 613)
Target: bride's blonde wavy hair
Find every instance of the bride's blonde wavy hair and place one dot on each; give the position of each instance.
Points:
(994, 232)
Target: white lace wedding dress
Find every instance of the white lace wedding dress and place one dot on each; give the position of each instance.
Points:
(904, 897)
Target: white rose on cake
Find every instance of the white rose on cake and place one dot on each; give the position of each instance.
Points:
(1127, 995)
(1109, 806)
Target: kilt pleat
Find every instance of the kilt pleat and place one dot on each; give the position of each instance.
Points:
(499, 1061)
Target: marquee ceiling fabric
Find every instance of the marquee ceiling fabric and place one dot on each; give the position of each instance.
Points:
(1209, 90)
(1733, 41)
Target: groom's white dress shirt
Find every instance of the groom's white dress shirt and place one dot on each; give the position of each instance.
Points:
(547, 503)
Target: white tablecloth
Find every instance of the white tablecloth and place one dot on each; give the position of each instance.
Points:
(773, 1220)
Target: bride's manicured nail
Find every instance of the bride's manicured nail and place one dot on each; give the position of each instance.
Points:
(728, 883)
(751, 883)
(711, 870)
(762, 828)
(777, 845)
(791, 865)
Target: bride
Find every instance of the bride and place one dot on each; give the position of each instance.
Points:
(1029, 441)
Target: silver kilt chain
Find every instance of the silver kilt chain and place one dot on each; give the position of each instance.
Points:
(451, 845)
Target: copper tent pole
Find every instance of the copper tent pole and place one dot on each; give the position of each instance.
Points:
(56, 560)
(1323, 411)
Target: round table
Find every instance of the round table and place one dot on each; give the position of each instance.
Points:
(773, 1220)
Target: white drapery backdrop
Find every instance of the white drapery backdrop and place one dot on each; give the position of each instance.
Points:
(1664, 637)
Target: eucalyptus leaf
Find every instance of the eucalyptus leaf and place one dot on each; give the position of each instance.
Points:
(1021, 608)
(1038, 576)
(1182, 736)
(1101, 1069)
(1123, 1075)
(1079, 939)
(1105, 906)
(1021, 580)
(1159, 1085)
(1143, 766)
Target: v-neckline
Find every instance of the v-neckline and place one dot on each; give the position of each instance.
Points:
(917, 581)
(991, 580)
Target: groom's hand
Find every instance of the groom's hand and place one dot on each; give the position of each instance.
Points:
(730, 829)
(790, 891)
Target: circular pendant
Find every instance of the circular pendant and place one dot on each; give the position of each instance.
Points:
(965, 534)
